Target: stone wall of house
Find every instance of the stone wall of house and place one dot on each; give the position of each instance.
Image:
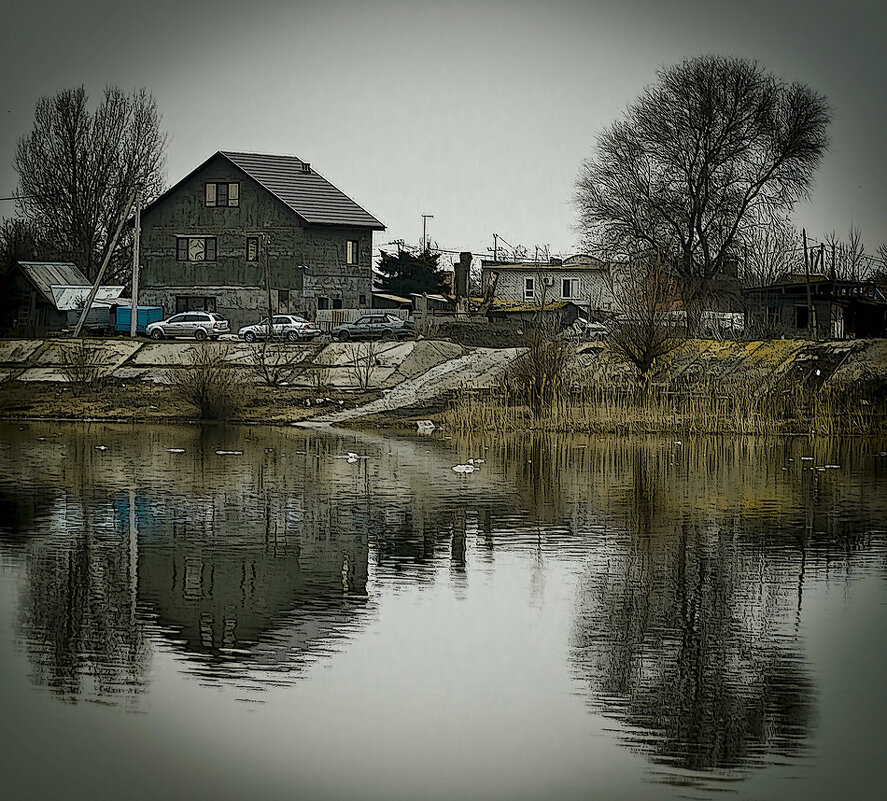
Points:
(302, 263)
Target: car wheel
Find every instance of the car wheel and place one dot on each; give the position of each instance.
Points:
(389, 336)
(200, 335)
(343, 336)
(157, 334)
(249, 336)
(292, 336)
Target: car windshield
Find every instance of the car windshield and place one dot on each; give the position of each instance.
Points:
(218, 317)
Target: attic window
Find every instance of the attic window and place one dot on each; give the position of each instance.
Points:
(306, 166)
(222, 195)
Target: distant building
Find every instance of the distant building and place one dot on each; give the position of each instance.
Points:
(580, 280)
(241, 224)
(833, 309)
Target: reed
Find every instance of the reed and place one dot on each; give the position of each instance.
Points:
(704, 407)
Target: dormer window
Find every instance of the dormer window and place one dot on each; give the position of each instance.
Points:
(222, 195)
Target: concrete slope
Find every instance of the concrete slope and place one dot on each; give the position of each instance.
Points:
(483, 367)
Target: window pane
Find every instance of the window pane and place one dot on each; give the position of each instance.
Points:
(196, 249)
(252, 248)
(210, 194)
(181, 248)
(221, 194)
(233, 194)
(210, 248)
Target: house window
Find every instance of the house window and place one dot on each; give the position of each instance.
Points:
(283, 299)
(570, 288)
(362, 301)
(323, 302)
(222, 194)
(351, 251)
(337, 303)
(252, 248)
(529, 288)
(195, 248)
(194, 303)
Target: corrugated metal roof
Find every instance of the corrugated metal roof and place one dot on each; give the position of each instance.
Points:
(45, 274)
(305, 191)
(67, 298)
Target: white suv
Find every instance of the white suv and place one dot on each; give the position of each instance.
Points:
(198, 324)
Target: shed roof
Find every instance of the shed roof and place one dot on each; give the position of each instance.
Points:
(67, 298)
(46, 274)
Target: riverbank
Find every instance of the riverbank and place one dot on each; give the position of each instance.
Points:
(782, 386)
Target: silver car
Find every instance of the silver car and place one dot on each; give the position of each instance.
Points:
(283, 326)
(198, 324)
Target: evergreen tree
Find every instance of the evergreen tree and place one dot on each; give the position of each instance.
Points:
(405, 272)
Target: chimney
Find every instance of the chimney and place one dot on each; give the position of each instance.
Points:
(461, 269)
(306, 166)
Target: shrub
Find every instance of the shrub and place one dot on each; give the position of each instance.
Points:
(210, 383)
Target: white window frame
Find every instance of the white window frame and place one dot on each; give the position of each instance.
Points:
(570, 288)
(529, 287)
(352, 251)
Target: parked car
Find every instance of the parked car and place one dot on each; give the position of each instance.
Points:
(198, 324)
(283, 326)
(374, 326)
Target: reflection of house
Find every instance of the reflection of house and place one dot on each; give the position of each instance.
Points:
(40, 297)
(839, 308)
(229, 589)
(243, 224)
(581, 280)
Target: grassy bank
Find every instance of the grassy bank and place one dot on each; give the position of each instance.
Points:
(706, 407)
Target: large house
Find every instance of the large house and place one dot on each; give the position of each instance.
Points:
(242, 226)
(581, 280)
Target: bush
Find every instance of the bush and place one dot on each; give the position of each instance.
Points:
(210, 383)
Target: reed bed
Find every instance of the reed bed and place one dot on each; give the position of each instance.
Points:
(703, 407)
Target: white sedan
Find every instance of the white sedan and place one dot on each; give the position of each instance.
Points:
(283, 326)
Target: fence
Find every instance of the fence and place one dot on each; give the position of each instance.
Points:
(327, 319)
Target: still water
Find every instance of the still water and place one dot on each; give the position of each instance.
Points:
(251, 613)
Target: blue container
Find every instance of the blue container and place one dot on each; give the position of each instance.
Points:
(144, 316)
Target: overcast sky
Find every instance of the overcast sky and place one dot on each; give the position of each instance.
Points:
(479, 113)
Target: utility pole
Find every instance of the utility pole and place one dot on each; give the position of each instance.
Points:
(495, 247)
(136, 239)
(265, 243)
(425, 218)
(810, 315)
(98, 279)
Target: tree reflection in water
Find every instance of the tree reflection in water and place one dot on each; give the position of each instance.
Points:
(683, 618)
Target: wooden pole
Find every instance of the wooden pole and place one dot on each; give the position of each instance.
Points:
(810, 325)
(98, 279)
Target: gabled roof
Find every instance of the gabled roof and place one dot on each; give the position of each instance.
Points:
(46, 274)
(296, 184)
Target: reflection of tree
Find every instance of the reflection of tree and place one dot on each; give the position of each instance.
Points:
(83, 635)
(675, 637)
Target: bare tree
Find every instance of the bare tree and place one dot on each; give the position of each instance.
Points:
(18, 242)
(79, 168)
(846, 259)
(644, 326)
(714, 140)
(770, 249)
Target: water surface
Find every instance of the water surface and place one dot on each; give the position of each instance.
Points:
(242, 612)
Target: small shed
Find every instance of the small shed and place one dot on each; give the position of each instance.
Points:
(37, 297)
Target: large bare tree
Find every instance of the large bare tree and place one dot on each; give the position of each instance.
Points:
(712, 141)
(79, 168)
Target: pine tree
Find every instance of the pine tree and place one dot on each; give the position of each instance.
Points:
(404, 272)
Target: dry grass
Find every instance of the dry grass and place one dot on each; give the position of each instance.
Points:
(702, 408)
